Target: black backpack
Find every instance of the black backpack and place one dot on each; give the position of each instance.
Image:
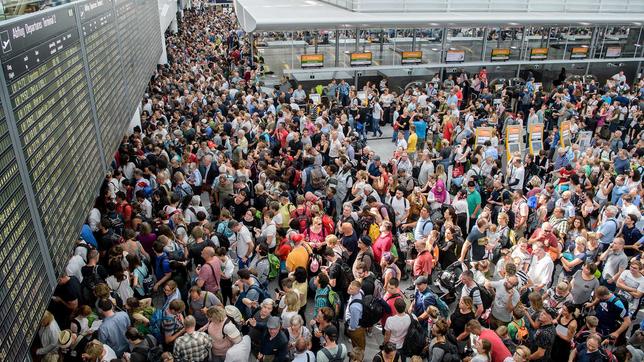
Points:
(88, 284)
(223, 240)
(414, 342)
(450, 351)
(486, 297)
(372, 310)
(152, 353)
(116, 223)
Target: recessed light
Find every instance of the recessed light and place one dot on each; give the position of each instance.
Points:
(637, 23)
(584, 23)
(513, 47)
(433, 24)
(637, 45)
(452, 48)
(513, 24)
(435, 49)
(584, 46)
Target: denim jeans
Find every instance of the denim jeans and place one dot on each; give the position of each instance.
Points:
(375, 126)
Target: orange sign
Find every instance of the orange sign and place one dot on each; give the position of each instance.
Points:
(412, 57)
(538, 53)
(361, 58)
(312, 60)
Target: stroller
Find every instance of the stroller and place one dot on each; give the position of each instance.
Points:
(447, 283)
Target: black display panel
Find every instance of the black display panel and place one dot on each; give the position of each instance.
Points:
(98, 26)
(50, 99)
(55, 63)
(24, 290)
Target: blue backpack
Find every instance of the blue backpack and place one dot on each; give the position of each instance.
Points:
(156, 324)
(246, 311)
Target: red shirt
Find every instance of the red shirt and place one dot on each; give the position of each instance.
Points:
(424, 263)
(125, 210)
(447, 131)
(390, 301)
(381, 245)
(283, 250)
(499, 350)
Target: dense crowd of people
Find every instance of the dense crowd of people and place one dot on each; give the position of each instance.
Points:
(238, 225)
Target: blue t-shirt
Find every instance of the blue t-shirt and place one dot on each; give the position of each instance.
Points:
(162, 266)
(421, 128)
(608, 229)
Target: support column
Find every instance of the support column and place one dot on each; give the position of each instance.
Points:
(337, 48)
(413, 40)
(174, 26)
(521, 53)
(315, 41)
(443, 52)
(382, 41)
(357, 39)
(486, 32)
(251, 41)
(593, 48)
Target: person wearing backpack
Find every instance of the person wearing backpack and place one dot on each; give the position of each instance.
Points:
(332, 351)
(353, 315)
(252, 293)
(93, 275)
(339, 273)
(441, 347)
(143, 348)
(260, 263)
(518, 327)
(325, 296)
(397, 326)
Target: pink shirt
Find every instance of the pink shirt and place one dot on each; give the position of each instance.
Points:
(499, 351)
(381, 245)
(210, 273)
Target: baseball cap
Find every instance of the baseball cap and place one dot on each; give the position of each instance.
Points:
(273, 322)
(421, 280)
(332, 332)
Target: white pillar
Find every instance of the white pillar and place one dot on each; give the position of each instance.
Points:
(136, 119)
(164, 54)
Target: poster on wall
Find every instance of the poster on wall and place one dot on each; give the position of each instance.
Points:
(455, 56)
(564, 134)
(579, 53)
(361, 58)
(315, 98)
(535, 138)
(513, 144)
(414, 57)
(312, 60)
(483, 134)
(500, 54)
(538, 53)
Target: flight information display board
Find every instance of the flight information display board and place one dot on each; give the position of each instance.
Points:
(98, 25)
(74, 75)
(50, 99)
(25, 289)
(127, 32)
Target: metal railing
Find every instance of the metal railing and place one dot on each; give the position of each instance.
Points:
(566, 6)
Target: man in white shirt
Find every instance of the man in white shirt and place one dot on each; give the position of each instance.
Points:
(517, 175)
(630, 285)
(541, 268)
(397, 325)
(242, 242)
(400, 206)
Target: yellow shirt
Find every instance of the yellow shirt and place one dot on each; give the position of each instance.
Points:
(411, 143)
